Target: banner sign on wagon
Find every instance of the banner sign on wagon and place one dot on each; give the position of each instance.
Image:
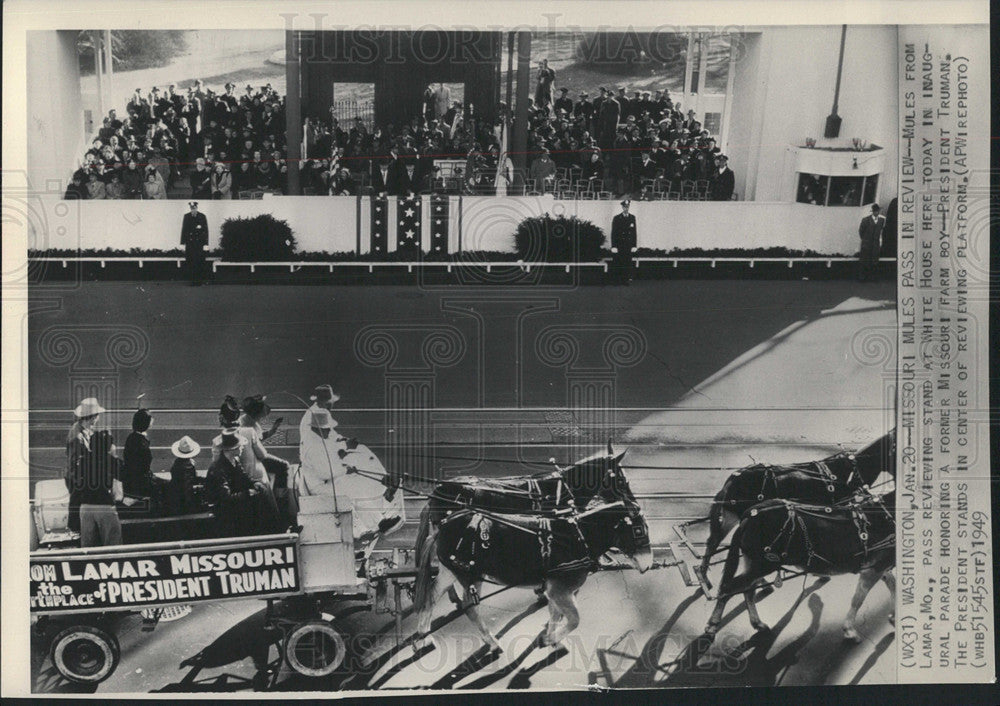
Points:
(114, 581)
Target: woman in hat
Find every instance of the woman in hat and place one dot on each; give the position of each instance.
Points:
(86, 414)
(137, 475)
(183, 476)
(255, 410)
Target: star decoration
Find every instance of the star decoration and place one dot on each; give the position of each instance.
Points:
(409, 213)
(378, 222)
(437, 208)
(437, 222)
(402, 223)
(409, 233)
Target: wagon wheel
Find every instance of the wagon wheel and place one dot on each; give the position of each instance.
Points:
(85, 654)
(314, 648)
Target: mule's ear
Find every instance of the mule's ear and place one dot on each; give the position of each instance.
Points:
(611, 449)
(619, 457)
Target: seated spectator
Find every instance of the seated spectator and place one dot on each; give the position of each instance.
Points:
(201, 180)
(243, 177)
(222, 182)
(183, 477)
(132, 181)
(137, 474)
(77, 189)
(95, 186)
(153, 187)
(115, 189)
(543, 171)
(343, 183)
(593, 168)
(243, 506)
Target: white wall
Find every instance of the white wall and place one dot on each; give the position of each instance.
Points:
(488, 223)
(785, 80)
(55, 139)
(320, 224)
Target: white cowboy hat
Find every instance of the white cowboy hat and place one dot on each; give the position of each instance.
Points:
(88, 408)
(185, 447)
(321, 419)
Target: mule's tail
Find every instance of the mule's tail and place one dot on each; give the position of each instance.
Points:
(732, 562)
(715, 536)
(424, 559)
(423, 530)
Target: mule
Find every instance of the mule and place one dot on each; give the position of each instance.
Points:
(574, 487)
(558, 550)
(856, 538)
(825, 482)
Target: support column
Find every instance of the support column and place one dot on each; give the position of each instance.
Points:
(520, 132)
(727, 107)
(95, 39)
(688, 71)
(703, 46)
(109, 66)
(293, 112)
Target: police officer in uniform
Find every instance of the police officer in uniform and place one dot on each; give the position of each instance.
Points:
(194, 238)
(623, 241)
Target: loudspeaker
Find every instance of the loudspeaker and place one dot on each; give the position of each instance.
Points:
(832, 126)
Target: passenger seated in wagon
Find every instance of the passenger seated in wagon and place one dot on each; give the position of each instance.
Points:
(243, 506)
(180, 496)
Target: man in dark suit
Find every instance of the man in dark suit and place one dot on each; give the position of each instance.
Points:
(194, 238)
(564, 102)
(723, 181)
(243, 506)
(607, 121)
(623, 241)
(384, 178)
(870, 232)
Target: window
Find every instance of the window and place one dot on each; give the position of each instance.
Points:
(823, 190)
(812, 189)
(712, 123)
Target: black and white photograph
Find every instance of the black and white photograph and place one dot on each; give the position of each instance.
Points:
(534, 355)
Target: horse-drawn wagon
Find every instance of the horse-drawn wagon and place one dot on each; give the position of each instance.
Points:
(79, 596)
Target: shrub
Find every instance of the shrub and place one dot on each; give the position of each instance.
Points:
(629, 53)
(560, 239)
(259, 239)
(133, 49)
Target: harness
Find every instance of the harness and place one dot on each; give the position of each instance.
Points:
(795, 522)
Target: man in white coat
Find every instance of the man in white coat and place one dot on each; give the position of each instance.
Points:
(333, 465)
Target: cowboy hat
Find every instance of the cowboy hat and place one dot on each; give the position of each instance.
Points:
(324, 393)
(321, 419)
(186, 447)
(88, 408)
(230, 439)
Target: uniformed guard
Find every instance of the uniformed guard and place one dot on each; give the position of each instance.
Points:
(194, 238)
(623, 241)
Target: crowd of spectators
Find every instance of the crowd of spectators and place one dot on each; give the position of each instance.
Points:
(220, 145)
(642, 145)
(202, 143)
